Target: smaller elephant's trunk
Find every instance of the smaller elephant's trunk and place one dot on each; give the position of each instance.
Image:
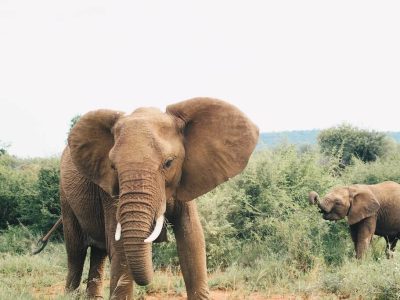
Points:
(313, 198)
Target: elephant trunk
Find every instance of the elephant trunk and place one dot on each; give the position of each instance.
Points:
(135, 228)
(313, 198)
(139, 206)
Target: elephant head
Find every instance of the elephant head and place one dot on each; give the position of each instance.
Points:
(356, 202)
(144, 158)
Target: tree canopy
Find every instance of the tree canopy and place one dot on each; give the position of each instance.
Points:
(347, 141)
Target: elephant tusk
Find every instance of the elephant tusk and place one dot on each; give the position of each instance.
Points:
(157, 230)
(118, 232)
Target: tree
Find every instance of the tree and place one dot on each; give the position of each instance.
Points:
(17, 189)
(347, 142)
(3, 148)
(73, 121)
(43, 210)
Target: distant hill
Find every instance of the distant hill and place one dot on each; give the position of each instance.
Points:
(299, 137)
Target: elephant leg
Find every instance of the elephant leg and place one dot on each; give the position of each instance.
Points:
(390, 245)
(366, 230)
(75, 246)
(191, 250)
(121, 282)
(354, 234)
(96, 271)
(393, 244)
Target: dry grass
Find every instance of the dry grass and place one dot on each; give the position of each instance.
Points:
(42, 277)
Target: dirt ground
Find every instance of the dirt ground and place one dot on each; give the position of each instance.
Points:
(58, 289)
(226, 295)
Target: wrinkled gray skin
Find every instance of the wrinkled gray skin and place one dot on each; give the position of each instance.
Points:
(370, 209)
(134, 168)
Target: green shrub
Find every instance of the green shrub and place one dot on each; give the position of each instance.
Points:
(17, 185)
(348, 142)
(267, 208)
(387, 168)
(29, 192)
(16, 240)
(41, 212)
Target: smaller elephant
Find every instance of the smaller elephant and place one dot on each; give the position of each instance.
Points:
(370, 209)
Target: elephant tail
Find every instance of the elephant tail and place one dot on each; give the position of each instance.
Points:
(42, 242)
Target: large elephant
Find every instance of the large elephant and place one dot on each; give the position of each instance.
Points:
(370, 209)
(122, 173)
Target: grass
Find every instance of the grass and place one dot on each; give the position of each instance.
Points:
(23, 276)
(42, 276)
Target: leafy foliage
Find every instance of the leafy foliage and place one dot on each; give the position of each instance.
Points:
(348, 142)
(73, 121)
(300, 138)
(29, 192)
(3, 148)
(44, 211)
(17, 182)
(267, 208)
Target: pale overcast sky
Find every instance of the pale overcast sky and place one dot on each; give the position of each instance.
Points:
(287, 64)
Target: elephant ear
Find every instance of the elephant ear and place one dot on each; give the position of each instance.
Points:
(218, 141)
(90, 142)
(363, 204)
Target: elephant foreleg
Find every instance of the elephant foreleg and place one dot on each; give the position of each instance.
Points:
(354, 234)
(96, 271)
(121, 282)
(366, 230)
(191, 250)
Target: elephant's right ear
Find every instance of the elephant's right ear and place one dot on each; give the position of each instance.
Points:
(90, 142)
(363, 204)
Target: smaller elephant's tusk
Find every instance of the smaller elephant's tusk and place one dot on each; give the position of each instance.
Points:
(157, 230)
(118, 232)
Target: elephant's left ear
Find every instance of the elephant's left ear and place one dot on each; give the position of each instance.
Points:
(218, 140)
(363, 204)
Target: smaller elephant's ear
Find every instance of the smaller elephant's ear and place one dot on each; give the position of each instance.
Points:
(218, 140)
(363, 204)
(90, 142)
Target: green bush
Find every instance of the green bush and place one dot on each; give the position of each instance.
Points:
(387, 168)
(29, 192)
(267, 208)
(17, 240)
(17, 185)
(43, 211)
(348, 142)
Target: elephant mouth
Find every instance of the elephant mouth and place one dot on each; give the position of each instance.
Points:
(325, 216)
(330, 216)
(325, 213)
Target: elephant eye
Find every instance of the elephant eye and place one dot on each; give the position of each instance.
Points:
(168, 163)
